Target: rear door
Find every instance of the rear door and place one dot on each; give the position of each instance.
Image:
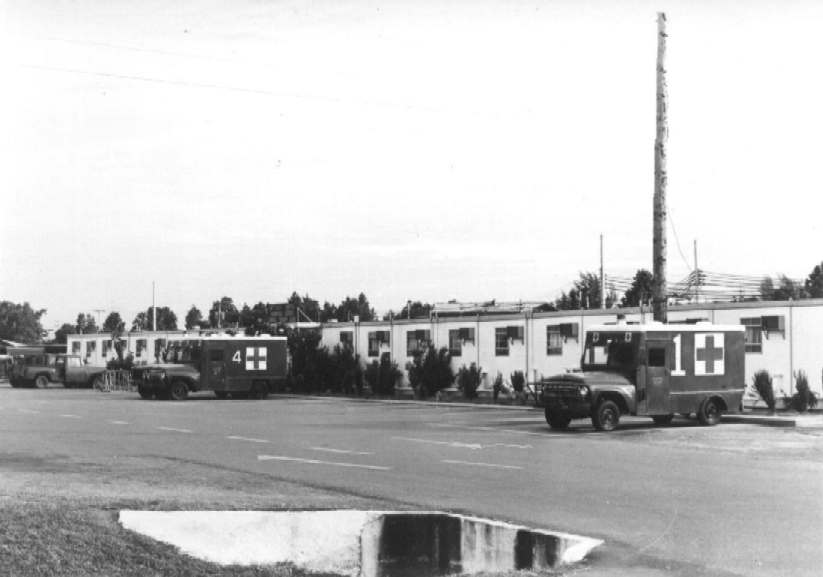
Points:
(215, 375)
(658, 353)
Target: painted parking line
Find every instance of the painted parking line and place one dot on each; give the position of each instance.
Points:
(340, 451)
(476, 464)
(249, 439)
(174, 430)
(70, 416)
(319, 462)
(118, 422)
(510, 431)
(456, 444)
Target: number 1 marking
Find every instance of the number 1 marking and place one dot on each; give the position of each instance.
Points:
(678, 371)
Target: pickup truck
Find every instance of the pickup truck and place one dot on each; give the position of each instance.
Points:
(40, 370)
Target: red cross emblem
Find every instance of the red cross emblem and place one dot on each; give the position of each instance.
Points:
(255, 358)
(708, 354)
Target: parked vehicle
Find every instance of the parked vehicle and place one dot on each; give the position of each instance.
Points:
(40, 369)
(230, 366)
(653, 370)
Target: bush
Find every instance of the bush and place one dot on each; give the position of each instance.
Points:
(518, 380)
(804, 398)
(497, 387)
(764, 388)
(468, 380)
(430, 371)
(382, 377)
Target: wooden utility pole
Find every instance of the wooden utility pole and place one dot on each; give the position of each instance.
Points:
(659, 305)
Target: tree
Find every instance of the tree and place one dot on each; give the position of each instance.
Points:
(61, 334)
(224, 314)
(114, 324)
(814, 283)
(585, 294)
(86, 324)
(255, 319)
(351, 308)
(194, 318)
(787, 289)
(417, 310)
(166, 320)
(20, 322)
(309, 308)
(640, 291)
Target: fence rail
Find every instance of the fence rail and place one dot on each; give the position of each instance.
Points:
(118, 380)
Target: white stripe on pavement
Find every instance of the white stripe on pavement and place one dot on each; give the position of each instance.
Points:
(476, 464)
(119, 422)
(174, 430)
(70, 416)
(249, 439)
(473, 446)
(318, 462)
(340, 451)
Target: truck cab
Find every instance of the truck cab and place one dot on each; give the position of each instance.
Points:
(653, 370)
(40, 369)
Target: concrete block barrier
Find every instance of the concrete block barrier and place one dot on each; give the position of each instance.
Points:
(361, 543)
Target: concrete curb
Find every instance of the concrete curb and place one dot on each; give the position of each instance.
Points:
(440, 404)
(361, 543)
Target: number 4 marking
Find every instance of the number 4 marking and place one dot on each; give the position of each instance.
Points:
(678, 358)
(236, 357)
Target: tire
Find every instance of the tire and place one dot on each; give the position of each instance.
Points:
(709, 413)
(98, 383)
(663, 419)
(557, 420)
(41, 381)
(178, 390)
(144, 392)
(607, 416)
(222, 395)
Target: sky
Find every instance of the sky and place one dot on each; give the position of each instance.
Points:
(409, 150)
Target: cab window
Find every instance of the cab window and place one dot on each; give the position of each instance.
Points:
(73, 362)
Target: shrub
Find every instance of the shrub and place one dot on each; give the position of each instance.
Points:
(497, 387)
(804, 398)
(382, 377)
(468, 380)
(764, 388)
(518, 380)
(348, 374)
(430, 371)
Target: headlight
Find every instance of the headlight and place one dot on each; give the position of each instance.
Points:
(583, 390)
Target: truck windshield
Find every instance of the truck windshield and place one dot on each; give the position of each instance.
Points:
(615, 351)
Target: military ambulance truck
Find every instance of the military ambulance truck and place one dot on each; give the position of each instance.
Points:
(653, 370)
(239, 366)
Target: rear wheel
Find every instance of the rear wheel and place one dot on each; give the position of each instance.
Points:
(556, 419)
(709, 413)
(178, 391)
(41, 381)
(607, 416)
(663, 419)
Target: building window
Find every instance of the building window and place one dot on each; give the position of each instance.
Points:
(347, 339)
(515, 333)
(91, 346)
(159, 349)
(417, 341)
(75, 348)
(501, 341)
(554, 340)
(455, 343)
(141, 346)
(754, 334)
(376, 340)
(106, 349)
(774, 325)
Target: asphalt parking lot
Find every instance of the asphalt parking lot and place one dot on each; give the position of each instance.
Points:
(679, 500)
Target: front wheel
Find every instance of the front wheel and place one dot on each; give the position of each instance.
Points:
(709, 413)
(557, 420)
(607, 416)
(41, 382)
(178, 391)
